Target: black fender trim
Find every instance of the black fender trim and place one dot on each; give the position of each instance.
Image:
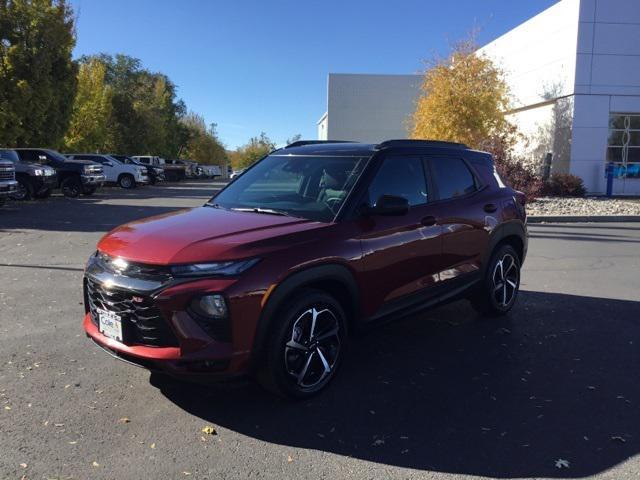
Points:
(300, 279)
(509, 229)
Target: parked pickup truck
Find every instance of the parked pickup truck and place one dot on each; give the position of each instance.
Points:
(171, 172)
(8, 184)
(155, 174)
(75, 177)
(127, 176)
(34, 179)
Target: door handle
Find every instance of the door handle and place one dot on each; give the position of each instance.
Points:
(490, 207)
(428, 221)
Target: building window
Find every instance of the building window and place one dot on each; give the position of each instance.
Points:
(624, 144)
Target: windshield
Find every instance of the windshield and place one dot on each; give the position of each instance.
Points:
(10, 155)
(308, 187)
(55, 155)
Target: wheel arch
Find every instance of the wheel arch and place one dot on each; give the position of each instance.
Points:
(334, 279)
(512, 233)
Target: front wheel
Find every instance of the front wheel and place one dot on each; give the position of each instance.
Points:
(25, 190)
(306, 346)
(71, 187)
(88, 191)
(126, 181)
(499, 289)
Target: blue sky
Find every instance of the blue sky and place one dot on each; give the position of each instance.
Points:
(262, 65)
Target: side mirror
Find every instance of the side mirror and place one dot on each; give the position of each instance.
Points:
(109, 164)
(388, 205)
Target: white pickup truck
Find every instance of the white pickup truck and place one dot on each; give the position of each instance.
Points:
(125, 175)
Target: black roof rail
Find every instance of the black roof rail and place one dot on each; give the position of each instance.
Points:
(300, 143)
(419, 143)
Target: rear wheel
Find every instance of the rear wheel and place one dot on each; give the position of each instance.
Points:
(498, 292)
(306, 346)
(126, 181)
(71, 187)
(25, 190)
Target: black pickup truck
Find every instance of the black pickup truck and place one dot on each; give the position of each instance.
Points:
(34, 179)
(75, 177)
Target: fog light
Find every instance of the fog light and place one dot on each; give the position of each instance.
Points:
(212, 306)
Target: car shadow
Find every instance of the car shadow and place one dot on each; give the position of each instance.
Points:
(557, 379)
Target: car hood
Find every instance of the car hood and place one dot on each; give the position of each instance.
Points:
(81, 162)
(204, 234)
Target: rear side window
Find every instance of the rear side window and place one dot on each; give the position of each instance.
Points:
(452, 177)
(401, 177)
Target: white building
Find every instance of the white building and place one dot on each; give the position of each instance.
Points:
(574, 71)
(368, 108)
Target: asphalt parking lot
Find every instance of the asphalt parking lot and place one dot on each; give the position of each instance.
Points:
(443, 395)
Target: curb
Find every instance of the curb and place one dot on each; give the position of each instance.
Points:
(582, 218)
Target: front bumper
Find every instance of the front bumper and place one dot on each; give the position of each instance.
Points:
(96, 180)
(8, 187)
(44, 183)
(186, 349)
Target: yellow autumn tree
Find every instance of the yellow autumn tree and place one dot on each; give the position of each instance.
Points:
(464, 99)
(91, 114)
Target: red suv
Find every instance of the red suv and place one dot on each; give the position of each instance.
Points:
(310, 244)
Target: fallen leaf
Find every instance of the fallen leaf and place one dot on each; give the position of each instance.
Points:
(58, 424)
(153, 445)
(23, 465)
(209, 430)
(95, 464)
(186, 473)
(124, 420)
(289, 459)
(72, 443)
(561, 463)
(618, 438)
(7, 407)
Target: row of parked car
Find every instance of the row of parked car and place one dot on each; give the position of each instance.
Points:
(27, 173)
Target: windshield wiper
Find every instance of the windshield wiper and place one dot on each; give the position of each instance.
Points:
(268, 211)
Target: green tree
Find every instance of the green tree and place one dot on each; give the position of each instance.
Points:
(252, 151)
(146, 113)
(37, 74)
(203, 145)
(464, 99)
(92, 109)
(297, 137)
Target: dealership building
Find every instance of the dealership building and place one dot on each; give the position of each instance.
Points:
(574, 72)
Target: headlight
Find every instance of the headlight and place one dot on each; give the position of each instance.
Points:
(49, 172)
(89, 169)
(231, 268)
(38, 172)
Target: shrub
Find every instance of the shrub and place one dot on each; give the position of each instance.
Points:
(565, 185)
(513, 172)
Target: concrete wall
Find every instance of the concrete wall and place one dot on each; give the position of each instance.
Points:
(369, 108)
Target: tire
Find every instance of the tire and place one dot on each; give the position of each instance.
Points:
(71, 187)
(126, 181)
(25, 190)
(301, 363)
(88, 191)
(499, 288)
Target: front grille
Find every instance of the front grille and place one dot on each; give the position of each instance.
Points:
(93, 170)
(7, 173)
(142, 322)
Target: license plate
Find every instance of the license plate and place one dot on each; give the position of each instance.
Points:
(110, 324)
